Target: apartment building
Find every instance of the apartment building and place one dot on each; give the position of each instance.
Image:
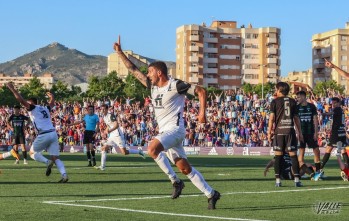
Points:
(304, 77)
(46, 79)
(116, 64)
(332, 45)
(225, 56)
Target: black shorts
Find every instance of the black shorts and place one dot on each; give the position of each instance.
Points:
(308, 140)
(334, 138)
(18, 139)
(89, 137)
(285, 142)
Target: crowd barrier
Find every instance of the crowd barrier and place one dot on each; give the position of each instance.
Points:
(213, 151)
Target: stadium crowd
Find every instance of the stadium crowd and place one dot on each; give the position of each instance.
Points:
(233, 119)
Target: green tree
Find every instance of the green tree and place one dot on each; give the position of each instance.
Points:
(7, 97)
(247, 87)
(321, 87)
(94, 87)
(134, 88)
(108, 86)
(112, 85)
(61, 90)
(33, 89)
(211, 90)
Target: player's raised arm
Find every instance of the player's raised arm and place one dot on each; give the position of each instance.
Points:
(51, 101)
(340, 71)
(202, 94)
(130, 66)
(17, 95)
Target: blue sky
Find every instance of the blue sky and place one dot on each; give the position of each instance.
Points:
(149, 27)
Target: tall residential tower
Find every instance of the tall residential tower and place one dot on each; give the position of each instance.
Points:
(225, 56)
(332, 45)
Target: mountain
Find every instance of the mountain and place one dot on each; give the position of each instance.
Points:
(68, 65)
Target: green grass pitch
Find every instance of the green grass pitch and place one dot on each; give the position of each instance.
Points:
(132, 188)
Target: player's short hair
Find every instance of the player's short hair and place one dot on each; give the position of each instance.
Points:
(301, 93)
(159, 65)
(283, 87)
(34, 100)
(89, 106)
(17, 107)
(336, 99)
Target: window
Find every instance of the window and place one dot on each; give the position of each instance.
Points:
(344, 47)
(223, 46)
(344, 67)
(344, 38)
(233, 57)
(343, 57)
(228, 36)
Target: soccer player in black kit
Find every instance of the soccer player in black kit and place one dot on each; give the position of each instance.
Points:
(283, 113)
(338, 135)
(17, 122)
(309, 125)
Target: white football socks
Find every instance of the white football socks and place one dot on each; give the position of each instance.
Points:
(60, 166)
(198, 180)
(39, 157)
(165, 166)
(103, 158)
(5, 155)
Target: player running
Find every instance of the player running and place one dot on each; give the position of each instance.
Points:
(47, 138)
(168, 98)
(115, 137)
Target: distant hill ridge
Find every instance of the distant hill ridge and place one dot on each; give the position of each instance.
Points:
(68, 65)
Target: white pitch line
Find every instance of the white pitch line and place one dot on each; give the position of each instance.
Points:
(154, 212)
(196, 195)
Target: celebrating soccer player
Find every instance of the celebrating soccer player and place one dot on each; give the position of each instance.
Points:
(168, 98)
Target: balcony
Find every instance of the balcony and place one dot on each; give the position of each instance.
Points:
(211, 40)
(318, 65)
(193, 80)
(272, 71)
(250, 61)
(250, 51)
(272, 60)
(193, 48)
(193, 58)
(251, 81)
(210, 71)
(210, 60)
(194, 38)
(211, 80)
(272, 51)
(211, 50)
(194, 69)
(272, 40)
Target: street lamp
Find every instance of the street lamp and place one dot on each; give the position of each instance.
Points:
(262, 65)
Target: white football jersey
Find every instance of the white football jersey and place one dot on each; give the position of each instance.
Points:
(168, 103)
(41, 118)
(109, 120)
